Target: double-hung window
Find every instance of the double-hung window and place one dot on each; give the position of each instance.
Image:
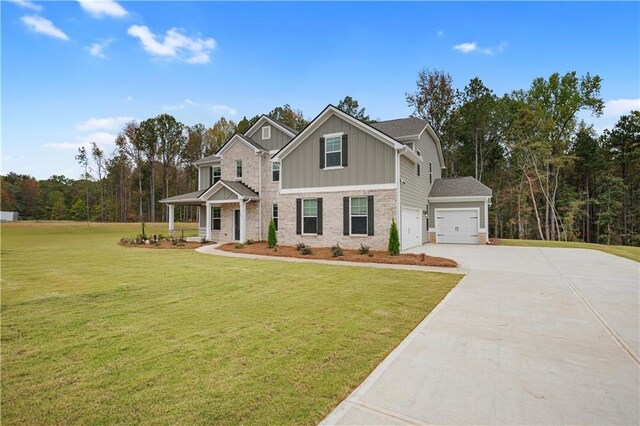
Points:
(274, 215)
(216, 174)
(333, 151)
(238, 169)
(310, 216)
(275, 172)
(430, 172)
(215, 223)
(359, 214)
(266, 132)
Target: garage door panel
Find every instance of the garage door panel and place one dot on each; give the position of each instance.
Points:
(457, 226)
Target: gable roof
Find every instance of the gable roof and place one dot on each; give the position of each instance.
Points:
(208, 159)
(237, 187)
(239, 136)
(466, 186)
(332, 110)
(402, 127)
(282, 127)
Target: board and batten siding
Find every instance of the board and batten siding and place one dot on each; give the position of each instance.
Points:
(278, 138)
(204, 177)
(370, 161)
(223, 194)
(457, 205)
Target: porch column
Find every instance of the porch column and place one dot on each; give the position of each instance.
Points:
(243, 221)
(172, 225)
(208, 222)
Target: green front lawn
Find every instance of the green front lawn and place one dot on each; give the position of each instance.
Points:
(93, 332)
(632, 253)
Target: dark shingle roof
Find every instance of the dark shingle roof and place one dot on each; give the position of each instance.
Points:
(459, 187)
(240, 188)
(207, 159)
(401, 127)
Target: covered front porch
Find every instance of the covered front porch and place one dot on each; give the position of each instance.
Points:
(228, 211)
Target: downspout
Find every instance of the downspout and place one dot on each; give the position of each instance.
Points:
(398, 193)
(260, 199)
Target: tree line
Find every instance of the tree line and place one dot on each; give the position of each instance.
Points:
(553, 177)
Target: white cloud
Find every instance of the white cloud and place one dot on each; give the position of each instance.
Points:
(473, 47)
(174, 45)
(102, 8)
(104, 140)
(617, 107)
(97, 49)
(213, 108)
(106, 123)
(26, 4)
(466, 47)
(43, 26)
(440, 33)
(128, 99)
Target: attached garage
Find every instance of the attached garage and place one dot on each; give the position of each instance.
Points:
(459, 211)
(457, 226)
(411, 228)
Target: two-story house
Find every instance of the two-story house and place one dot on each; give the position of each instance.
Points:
(339, 180)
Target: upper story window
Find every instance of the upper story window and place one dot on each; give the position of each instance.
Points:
(430, 172)
(359, 216)
(215, 174)
(333, 151)
(418, 152)
(238, 169)
(266, 132)
(418, 169)
(275, 172)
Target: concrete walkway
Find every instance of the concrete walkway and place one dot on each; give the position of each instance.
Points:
(213, 249)
(529, 336)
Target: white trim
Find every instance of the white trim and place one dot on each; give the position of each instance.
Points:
(397, 188)
(203, 162)
(333, 135)
(262, 129)
(214, 202)
(477, 209)
(345, 188)
(273, 122)
(326, 153)
(334, 167)
(207, 222)
(457, 199)
(324, 116)
(216, 187)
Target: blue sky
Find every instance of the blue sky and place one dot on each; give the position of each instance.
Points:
(73, 72)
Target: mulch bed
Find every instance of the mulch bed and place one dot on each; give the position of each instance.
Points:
(165, 245)
(324, 253)
(494, 242)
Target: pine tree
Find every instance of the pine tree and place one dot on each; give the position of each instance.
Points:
(272, 238)
(394, 239)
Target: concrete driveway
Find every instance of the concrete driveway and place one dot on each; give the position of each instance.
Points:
(529, 336)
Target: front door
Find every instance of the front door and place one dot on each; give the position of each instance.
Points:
(236, 225)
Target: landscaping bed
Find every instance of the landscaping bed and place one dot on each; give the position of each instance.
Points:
(159, 241)
(326, 253)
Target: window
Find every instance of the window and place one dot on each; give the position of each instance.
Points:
(238, 169)
(310, 216)
(359, 213)
(430, 172)
(274, 215)
(266, 132)
(215, 223)
(418, 169)
(216, 174)
(333, 151)
(418, 152)
(275, 172)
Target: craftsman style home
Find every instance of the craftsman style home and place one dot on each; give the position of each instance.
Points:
(339, 180)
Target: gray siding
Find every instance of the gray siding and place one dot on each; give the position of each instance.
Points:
(456, 205)
(223, 194)
(371, 161)
(415, 191)
(278, 138)
(204, 177)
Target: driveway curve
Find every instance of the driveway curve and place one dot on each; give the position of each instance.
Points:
(529, 336)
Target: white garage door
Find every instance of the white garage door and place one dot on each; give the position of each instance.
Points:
(411, 228)
(457, 226)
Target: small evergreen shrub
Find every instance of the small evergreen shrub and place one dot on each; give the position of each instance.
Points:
(306, 250)
(249, 242)
(272, 236)
(393, 247)
(239, 246)
(300, 246)
(336, 251)
(363, 249)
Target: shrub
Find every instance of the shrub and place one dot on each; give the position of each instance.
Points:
(301, 246)
(239, 246)
(363, 249)
(249, 242)
(306, 250)
(336, 251)
(125, 240)
(423, 257)
(272, 236)
(394, 239)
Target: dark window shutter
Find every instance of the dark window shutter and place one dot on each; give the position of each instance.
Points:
(319, 216)
(370, 215)
(345, 216)
(298, 216)
(322, 153)
(345, 150)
